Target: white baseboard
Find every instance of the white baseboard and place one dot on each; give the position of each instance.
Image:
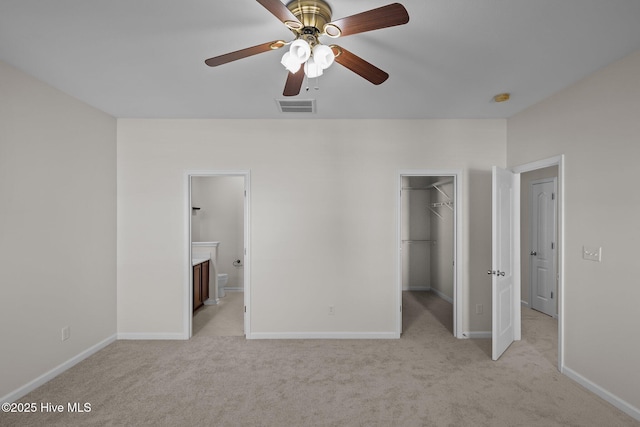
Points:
(152, 336)
(606, 395)
(322, 335)
(419, 288)
(524, 303)
(429, 289)
(442, 295)
(233, 289)
(477, 334)
(48, 376)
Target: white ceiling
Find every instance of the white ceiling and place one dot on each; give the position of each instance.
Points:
(145, 58)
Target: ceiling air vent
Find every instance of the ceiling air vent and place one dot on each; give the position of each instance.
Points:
(296, 105)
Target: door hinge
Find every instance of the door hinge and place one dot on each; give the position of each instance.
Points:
(245, 308)
(553, 245)
(553, 196)
(551, 294)
(245, 193)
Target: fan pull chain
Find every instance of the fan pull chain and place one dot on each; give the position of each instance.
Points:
(316, 87)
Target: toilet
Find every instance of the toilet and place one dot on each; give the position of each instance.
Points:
(222, 282)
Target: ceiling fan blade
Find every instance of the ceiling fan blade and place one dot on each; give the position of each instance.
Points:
(243, 53)
(280, 11)
(382, 17)
(359, 66)
(294, 83)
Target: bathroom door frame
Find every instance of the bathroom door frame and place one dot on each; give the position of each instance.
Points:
(456, 174)
(188, 268)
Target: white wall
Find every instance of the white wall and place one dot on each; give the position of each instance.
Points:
(221, 219)
(58, 228)
(323, 215)
(596, 124)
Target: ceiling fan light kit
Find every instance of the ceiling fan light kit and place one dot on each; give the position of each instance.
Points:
(323, 56)
(309, 20)
(312, 69)
(290, 62)
(300, 50)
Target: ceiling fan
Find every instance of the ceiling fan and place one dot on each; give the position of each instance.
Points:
(310, 19)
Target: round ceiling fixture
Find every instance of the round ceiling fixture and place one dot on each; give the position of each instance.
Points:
(502, 97)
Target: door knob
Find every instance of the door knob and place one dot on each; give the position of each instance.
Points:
(534, 253)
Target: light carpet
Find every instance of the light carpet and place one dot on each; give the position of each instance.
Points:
(426, 378)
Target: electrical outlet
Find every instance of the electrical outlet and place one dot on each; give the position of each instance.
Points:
(479, 308)
(332, 310)
(591, 253)
(66, 333)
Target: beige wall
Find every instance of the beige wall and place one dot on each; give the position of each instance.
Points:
(57, 228)
(323, 215)
(596, 124)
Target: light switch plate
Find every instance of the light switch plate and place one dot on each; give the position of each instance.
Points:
(592, 253)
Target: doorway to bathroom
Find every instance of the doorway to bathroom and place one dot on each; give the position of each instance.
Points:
(428, 247)
(217, 238)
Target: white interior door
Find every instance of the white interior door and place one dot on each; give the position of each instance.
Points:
(543, 246)
(505, 267)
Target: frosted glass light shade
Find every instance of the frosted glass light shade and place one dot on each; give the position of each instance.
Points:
(323, 56)
(300, 50)
(311, 69)
(290, 63)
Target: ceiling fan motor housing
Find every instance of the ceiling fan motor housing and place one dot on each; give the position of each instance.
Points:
(313, 14)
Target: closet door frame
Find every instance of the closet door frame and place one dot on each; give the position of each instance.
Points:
(456, 174)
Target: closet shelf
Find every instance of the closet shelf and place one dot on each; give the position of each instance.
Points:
(433, 186)
(410, 241)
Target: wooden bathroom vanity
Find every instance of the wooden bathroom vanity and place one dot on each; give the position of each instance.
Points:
(200, 283)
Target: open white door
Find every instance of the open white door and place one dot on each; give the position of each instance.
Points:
(543, 214)
(505, 268)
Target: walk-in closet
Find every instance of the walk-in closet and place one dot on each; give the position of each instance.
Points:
(427, 230)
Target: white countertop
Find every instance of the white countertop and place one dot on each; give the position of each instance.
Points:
(198, 260)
